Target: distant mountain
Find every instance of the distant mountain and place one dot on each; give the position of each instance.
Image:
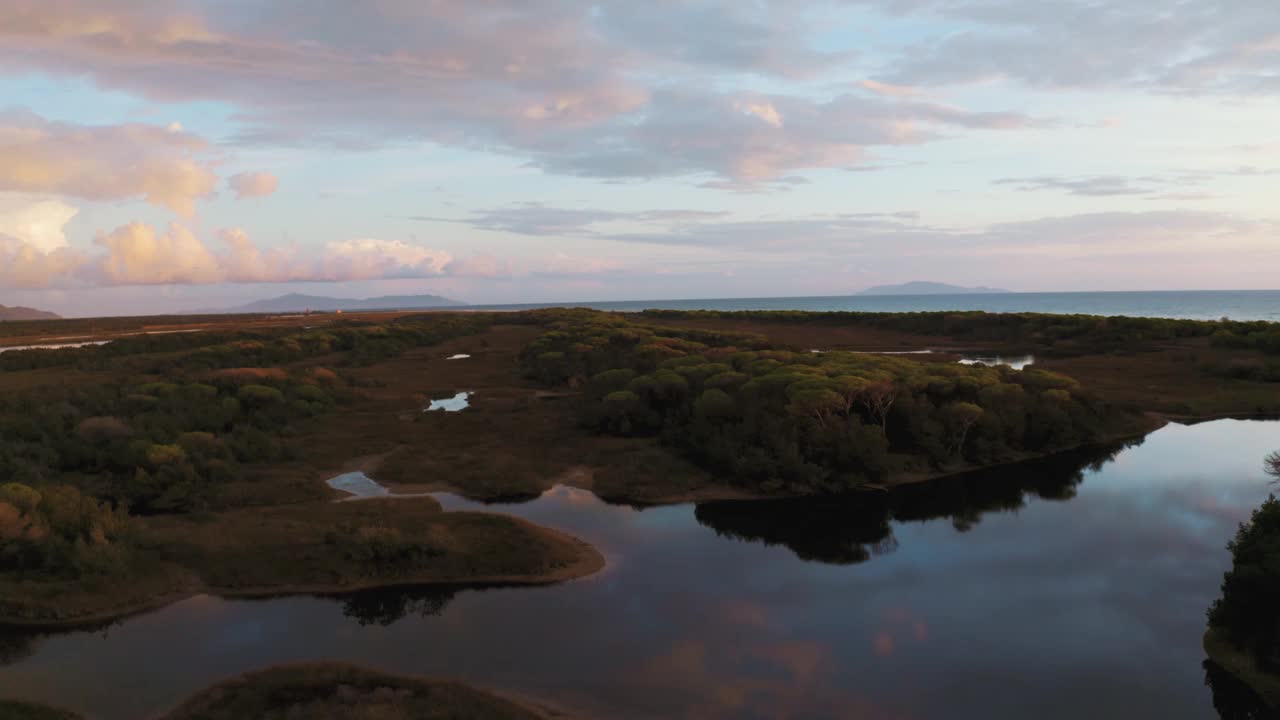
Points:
(25, 313)
(928, 288)
(300, 303)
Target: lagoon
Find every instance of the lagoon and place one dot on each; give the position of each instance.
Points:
(1067, 588)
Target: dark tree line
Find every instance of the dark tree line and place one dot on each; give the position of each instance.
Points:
(1247, 611)
(1048, 335)
(809, 422)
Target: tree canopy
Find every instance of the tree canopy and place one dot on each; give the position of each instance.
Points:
(808, 422)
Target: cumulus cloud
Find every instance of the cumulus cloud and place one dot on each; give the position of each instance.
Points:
(23, 266)
(367, 258)
(111, 162)
(253, 184)
(39, 222)
(140, 254)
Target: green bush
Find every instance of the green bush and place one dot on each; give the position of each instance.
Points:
(825, 422)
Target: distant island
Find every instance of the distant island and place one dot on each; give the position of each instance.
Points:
(295, 302)
(25, 313)
(929, 288)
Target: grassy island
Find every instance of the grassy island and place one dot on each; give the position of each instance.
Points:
(332, 690)
(189, 455)
(324, 691)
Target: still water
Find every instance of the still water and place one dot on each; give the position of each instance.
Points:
(1066, 589)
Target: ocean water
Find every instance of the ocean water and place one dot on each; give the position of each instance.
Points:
(1191, 305)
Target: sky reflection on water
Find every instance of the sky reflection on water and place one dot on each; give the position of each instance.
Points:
(975, 598)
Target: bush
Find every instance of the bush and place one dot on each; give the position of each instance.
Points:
(1246, 612)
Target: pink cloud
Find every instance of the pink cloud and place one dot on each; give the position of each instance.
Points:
(253, 184)
(113, 162)
(23, 266)
(139, 254)
(574, 88)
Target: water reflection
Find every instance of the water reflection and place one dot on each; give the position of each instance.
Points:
(1233, 699)
(852, 529)
(16, 645)
(1040, 608)
(358, 485)
(387, 606)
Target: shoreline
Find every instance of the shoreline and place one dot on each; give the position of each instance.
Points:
(587, 561)
(729, 493)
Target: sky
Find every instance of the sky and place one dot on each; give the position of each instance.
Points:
(168, 155)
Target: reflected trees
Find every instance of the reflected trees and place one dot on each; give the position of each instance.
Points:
(854, 528)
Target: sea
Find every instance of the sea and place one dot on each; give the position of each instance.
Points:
(1179, 304)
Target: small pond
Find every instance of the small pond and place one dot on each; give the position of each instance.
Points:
(52, 346)
(1017, 362)
(457, 403)
(358, 485)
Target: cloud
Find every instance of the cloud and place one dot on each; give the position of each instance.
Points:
(899, 246)
(139, 254)
(368, 258)
(1214, 46)
(593, 89)
(23, 266)
(110, 162)
(693, 227)
(348, 260)
(1169, 186)
(765, 111)
(539, 219)
(750, 139)
(882, 88)
(1096, 186)
(253, 184)
(479, 266)
(39, 222)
